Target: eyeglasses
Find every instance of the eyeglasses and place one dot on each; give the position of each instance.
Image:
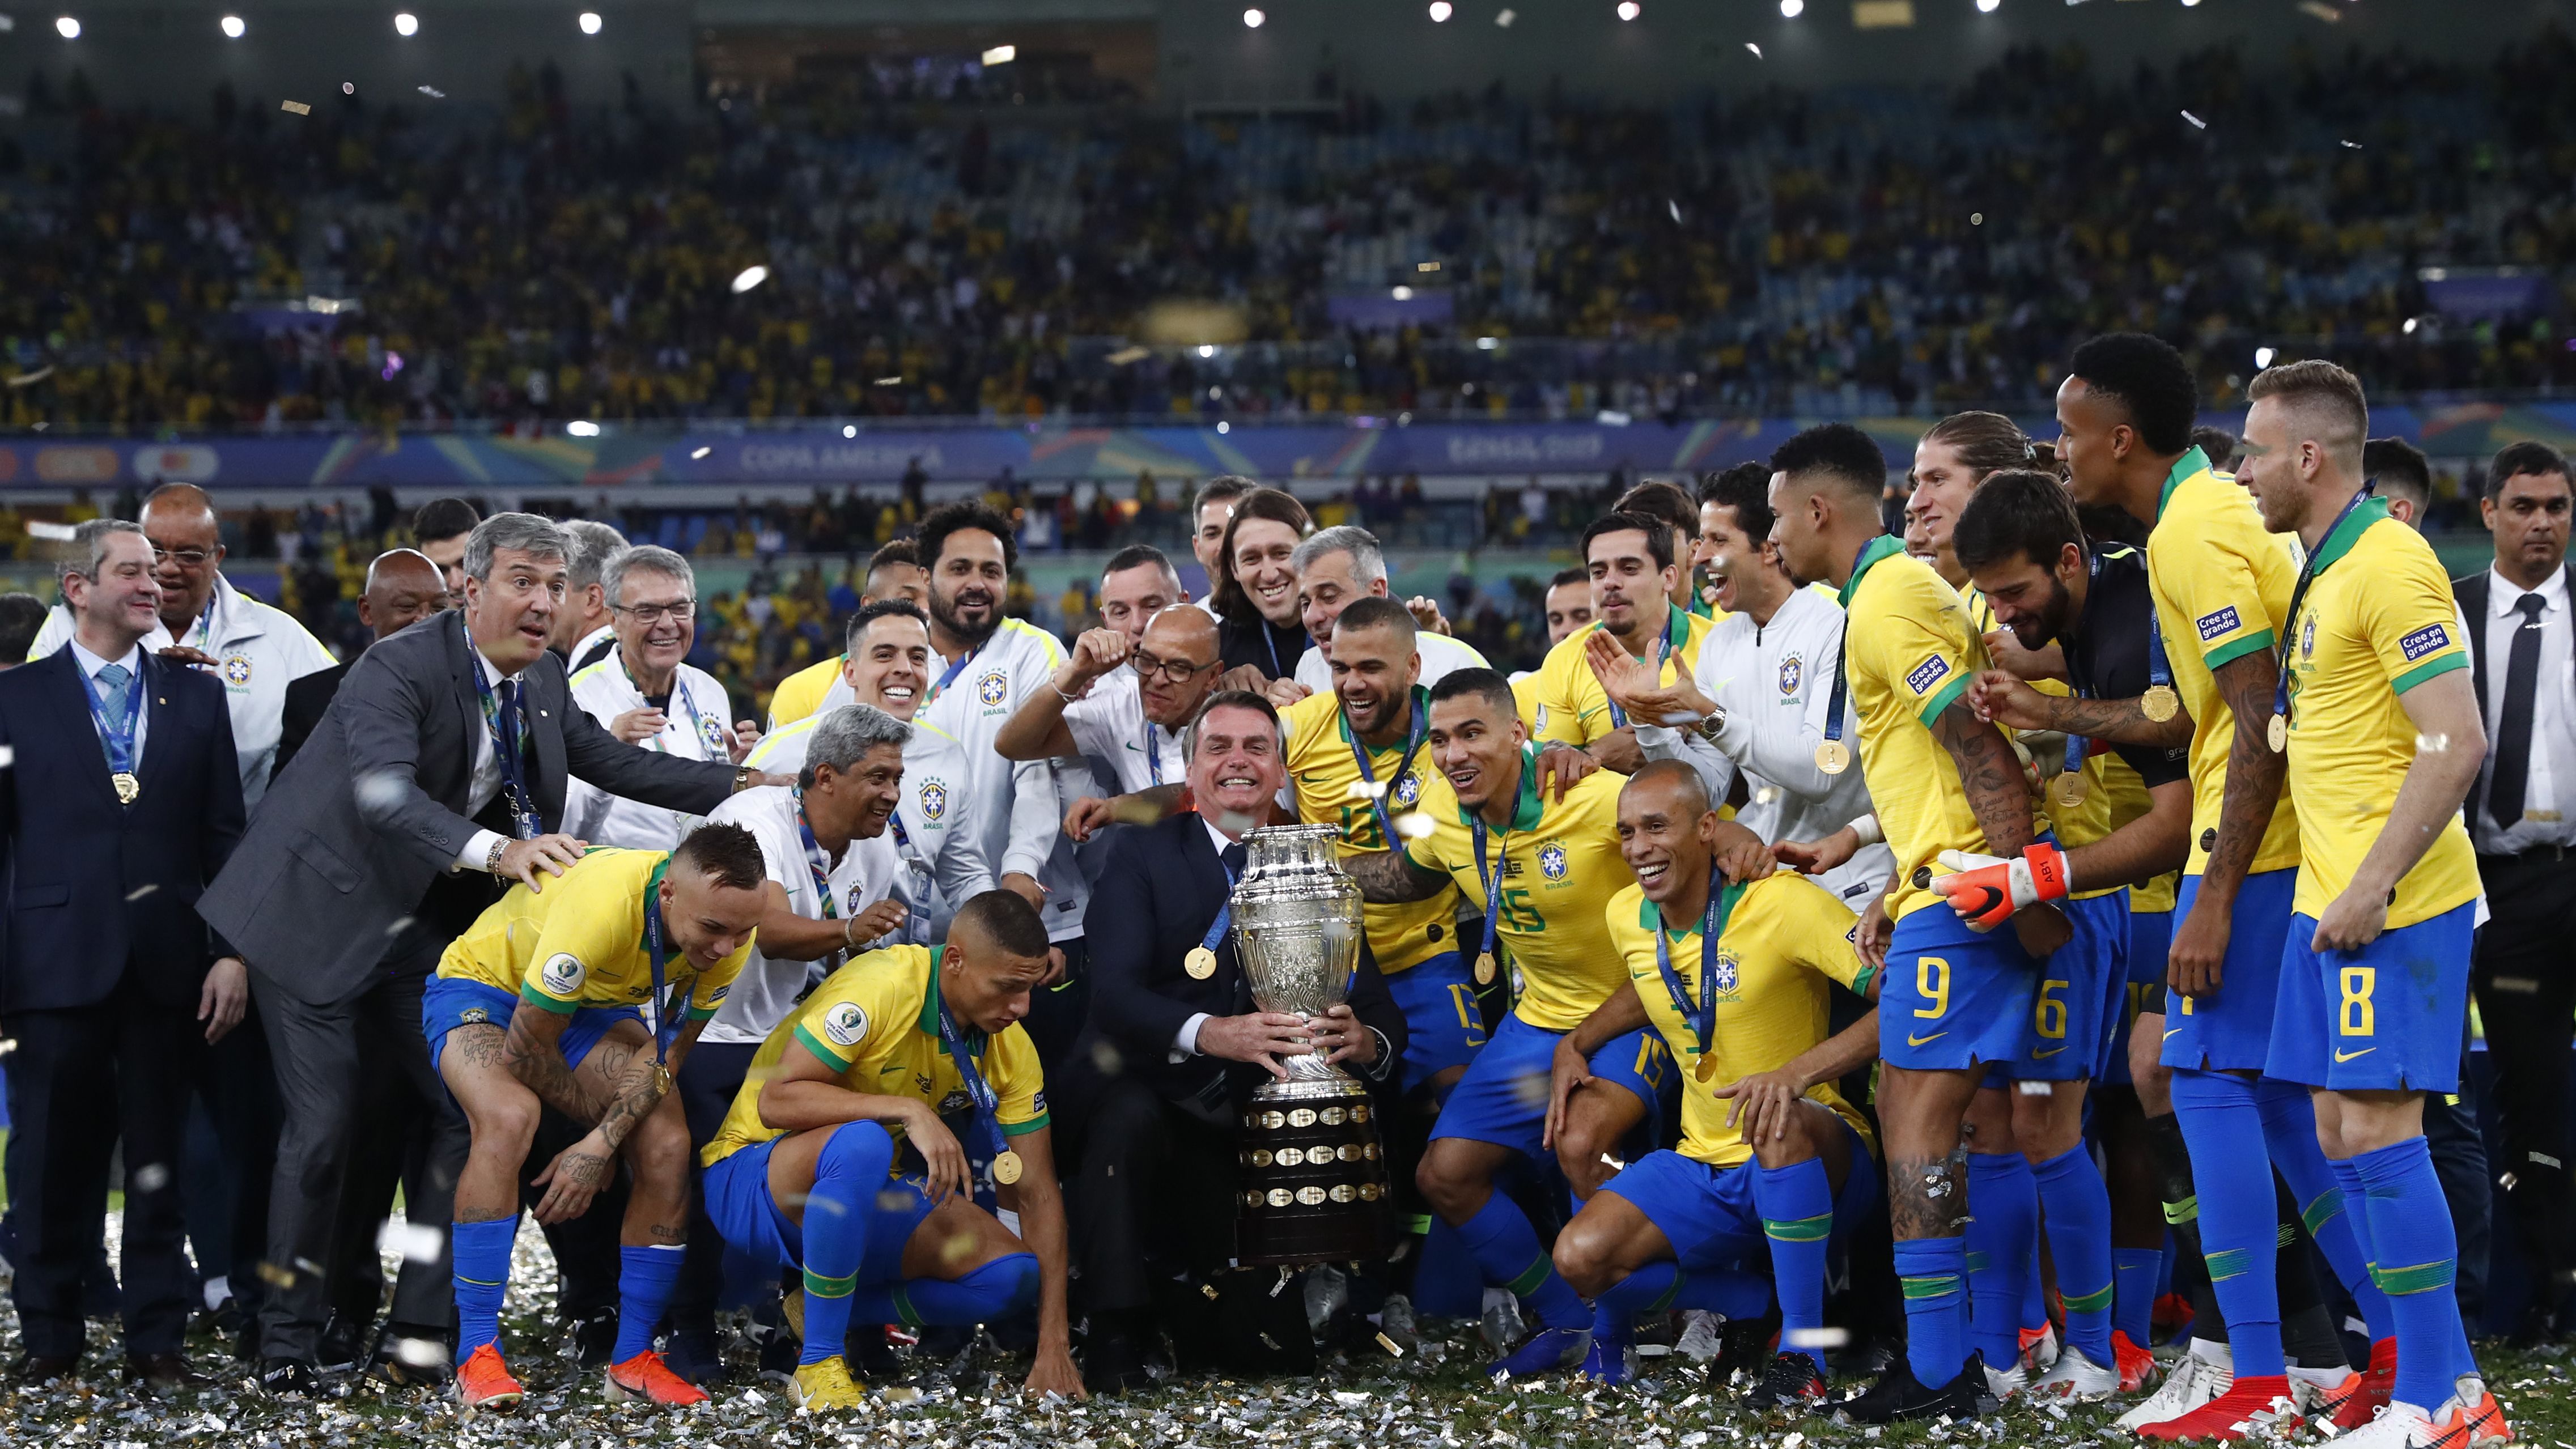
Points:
(1173, 671)
(186, 558)
(651, 614)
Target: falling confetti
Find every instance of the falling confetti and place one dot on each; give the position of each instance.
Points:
(151, 1177)
(1414, 826)
(54, 532)
(139, 892)
(2195, 120)
(2031, 1089)
(415, 1242)
(1675, 208)
(434, 93)
(297, 107)
(2432, 744)
(348, 88)
(701, 451)
(1367, 790)
(2351, 145)
(30, 379)
(1757, 50)
(1815, 1338)
(896, 381)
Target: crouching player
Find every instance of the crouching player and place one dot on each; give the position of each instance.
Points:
(566, 970)
(1733, 978)
(803, 1174)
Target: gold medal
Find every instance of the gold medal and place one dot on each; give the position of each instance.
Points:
(1833, 757)
(661, 1080)
(2160, 703)
(1484, 968)
(2071, 788)
(1007, 1168)
(1705, 1068)
(1200, 963)
(2279, 733)
(127, 787)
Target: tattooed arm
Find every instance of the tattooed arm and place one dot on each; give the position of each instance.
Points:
(1389, 876)
(2000, 797)
(2254, 773)
(2000, 697)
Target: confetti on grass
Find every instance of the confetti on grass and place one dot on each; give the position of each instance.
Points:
(297, 107)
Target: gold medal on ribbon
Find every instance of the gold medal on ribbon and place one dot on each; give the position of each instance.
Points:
(661, 1079)
(2279, 733)
(1833, 757)
(2160, 703)
(127, 787)
(1705, 1068)
(1007, 1168)
(1484, 968)
(1200, 963)
(2071, 788)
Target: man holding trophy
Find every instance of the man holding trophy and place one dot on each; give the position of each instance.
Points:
(1233, 985)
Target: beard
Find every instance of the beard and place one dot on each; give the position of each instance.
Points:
(944, 610)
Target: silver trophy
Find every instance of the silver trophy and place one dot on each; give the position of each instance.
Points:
(1314, 1174)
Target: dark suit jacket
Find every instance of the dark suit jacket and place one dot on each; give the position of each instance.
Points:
(373, 807)
(2470, 593)
(99, 891)
(307, 700)
(1159, 890)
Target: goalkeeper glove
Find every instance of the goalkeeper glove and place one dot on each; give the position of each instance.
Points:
(1987, 889)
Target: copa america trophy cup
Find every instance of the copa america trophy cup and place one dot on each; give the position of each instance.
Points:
(1314, 1174)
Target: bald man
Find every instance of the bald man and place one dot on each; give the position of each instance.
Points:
(1121, 701)
(404, 587)
(256, 650)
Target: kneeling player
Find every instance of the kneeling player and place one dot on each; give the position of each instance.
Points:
(803, 1173)
(1771, 1153)
(567, 969)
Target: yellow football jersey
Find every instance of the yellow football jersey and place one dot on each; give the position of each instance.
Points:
(876, 1022)
(1565, 704)
(2377, 621)
(2089, 819)
(1325, 774)
(801, 693)
(581, 942)
(1908, 651)
(1558, 865)
(2222, 587)
(1780, 940)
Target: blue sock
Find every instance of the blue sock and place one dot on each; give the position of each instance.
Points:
(988, 1294)
(1934, 1274)
(2003, 1223)
(2077, 1208)
(848, 1175)
(2034, 1286)
(646, 1274)
(1659, 1287)
(2239, 1225)
(2134, 1272)
(1506, 1248)
(2290, 1129)
(1446, 1281)
(2410, 1227)
(1797, 1207)
(2355, 1216)
(482, 1252)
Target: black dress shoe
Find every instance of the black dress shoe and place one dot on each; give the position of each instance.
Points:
(288, 1378)
(43, 1368)
(163, 1372)
(1114, 1363)
(410, 1356)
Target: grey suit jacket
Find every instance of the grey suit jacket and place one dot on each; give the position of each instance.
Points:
(373, 807)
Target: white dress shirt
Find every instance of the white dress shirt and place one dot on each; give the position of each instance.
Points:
(864, 874)
(90, 664)
(1776, 682)
(2549, 783)
(486, 780)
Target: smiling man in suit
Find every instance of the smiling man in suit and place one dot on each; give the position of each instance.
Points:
(436, 778)
(123, 801)
(1159, 1136)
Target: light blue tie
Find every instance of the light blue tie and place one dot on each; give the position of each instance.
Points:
(113, 681)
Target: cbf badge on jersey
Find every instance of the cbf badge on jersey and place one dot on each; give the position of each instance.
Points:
(237, 670)
(1793, 672)
(1408, 789)
(712, 733)
(992, 689)
(1551, 861)
(934, 799)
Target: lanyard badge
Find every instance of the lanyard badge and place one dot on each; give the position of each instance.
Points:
(1700, 1014)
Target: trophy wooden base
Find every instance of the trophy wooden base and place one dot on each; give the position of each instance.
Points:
(1313, 1174)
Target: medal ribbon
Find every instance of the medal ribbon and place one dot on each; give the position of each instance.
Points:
(206, 625)
(980, 1092)
(2299, 595)
(955, 668)
(815, 860)
(1414, 734)
(118, 738)
(1153, 754)
(1868, 558)
(668, 1012)
(1491, 882)
(1225, 913)
(509, 732)
(1663, 651)
(1701, 1014)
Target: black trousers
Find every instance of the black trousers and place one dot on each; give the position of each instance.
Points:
(325, 1057)
(707, 1084)
(394, 1151)
(2525, 979)
(81, 1080)
(1153, 1183)
(232, 1155)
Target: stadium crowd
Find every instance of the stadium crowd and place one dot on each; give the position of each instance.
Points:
(2126, 822)
(1860, 251)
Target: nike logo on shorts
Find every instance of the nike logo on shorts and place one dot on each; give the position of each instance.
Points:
(2177, 1031)
(2344, 1056)
(2043, 1056)
(1913, 1040)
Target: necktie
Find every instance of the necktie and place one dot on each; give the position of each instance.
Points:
(2513, 738)
(513, 721)
(1233, 856)
(113, 681)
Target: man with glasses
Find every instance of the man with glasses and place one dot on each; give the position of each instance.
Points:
(646, 693)
(1122, 701)
(256, 650)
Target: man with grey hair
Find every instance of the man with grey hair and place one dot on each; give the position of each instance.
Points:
(79, 554)
(832, 872)
(645, 692)
(438, 776)
(584, 631)
(1337, 565)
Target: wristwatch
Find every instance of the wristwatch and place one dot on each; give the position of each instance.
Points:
(1707, 729)
(741, 778)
